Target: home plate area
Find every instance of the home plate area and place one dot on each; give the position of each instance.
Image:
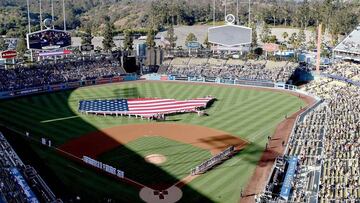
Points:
(170, 195)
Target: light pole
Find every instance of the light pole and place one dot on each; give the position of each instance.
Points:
(52, 13)
(28, 14)
(64, 15)
(249, 12)
(29, 25)
(225, 9)
(41, 25)
(237, 12)
(214, 15)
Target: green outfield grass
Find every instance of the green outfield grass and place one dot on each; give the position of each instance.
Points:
(180, 159)
(246, 113)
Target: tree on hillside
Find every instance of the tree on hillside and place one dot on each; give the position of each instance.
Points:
(206, 42)
(272, 39)
(108, 41)
(293, 40)
(2, 44)
(253, 36)
(282, 47)
(301, 38)
(265, 34)
(128, 41)
(86, 36)
(190, 38)
(150, 38)
(171, 37)
(21, 46)
(285, 35)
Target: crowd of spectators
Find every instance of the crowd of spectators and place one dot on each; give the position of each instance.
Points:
(307, 144)
(249, 70)
(21, 77)
(328, 140)
(346, 70)
(9, 188)
(340, 172)
(20, 182)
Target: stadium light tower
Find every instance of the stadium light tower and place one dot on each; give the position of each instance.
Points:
(318, 53)
(52, 13)
(64, 15)
(249, 12)
(28, 14)
(225, 8)
(41, 25)
(214, 15)
(237, 12)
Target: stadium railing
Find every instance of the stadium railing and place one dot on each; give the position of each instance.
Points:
(22, 179)
(298, 119)
(340, 78)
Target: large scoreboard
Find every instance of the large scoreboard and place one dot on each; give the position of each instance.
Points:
(48, 39)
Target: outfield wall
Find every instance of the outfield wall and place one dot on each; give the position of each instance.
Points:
(255, 83)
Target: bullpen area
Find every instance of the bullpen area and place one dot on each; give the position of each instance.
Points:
(156, 157)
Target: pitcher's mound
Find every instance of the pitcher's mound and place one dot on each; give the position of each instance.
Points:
(156, 159)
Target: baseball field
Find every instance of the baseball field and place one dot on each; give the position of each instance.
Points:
(152, 154)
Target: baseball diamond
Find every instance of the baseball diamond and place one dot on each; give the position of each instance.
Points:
(243, 117)
(179, 101)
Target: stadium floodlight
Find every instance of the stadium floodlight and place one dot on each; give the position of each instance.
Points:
(52, 13)
(41, 26)
(40, 14)
(237, 10)
(64, 15)
(28, 13)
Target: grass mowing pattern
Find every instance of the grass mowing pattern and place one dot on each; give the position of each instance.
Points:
(249, 114)
(180, 159)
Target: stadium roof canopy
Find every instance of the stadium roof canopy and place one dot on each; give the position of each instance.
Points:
(349, 48)
(230, 35)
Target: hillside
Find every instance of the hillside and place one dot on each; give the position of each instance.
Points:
(337, 18)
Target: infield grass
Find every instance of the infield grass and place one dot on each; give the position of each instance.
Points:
(246, 113)
(180, 158)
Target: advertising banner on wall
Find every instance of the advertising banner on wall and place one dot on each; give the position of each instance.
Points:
(8, 54)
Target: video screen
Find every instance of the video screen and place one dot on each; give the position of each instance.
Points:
(48, 39)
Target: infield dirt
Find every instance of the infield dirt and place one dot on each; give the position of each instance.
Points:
(99, 142)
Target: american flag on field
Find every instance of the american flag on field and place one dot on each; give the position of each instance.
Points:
(145, 107)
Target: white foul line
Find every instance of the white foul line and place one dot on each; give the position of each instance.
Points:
(59, 119)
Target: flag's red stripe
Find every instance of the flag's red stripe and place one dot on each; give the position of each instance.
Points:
(131, 107)
(158, 103)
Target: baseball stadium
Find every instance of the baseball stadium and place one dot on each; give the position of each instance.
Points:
(155, 154)
(136, 118)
